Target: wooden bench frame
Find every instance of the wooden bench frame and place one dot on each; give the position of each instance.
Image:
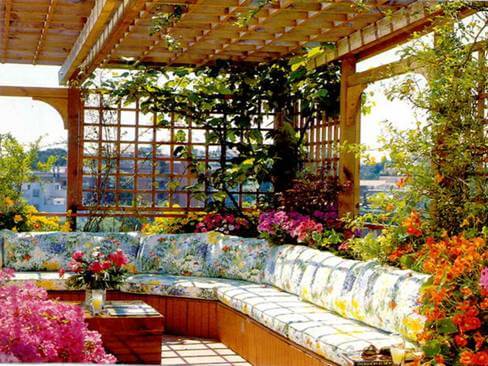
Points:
(211, 319)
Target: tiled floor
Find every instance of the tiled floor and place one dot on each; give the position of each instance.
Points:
(183, 351)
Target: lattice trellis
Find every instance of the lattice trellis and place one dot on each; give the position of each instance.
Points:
(128, 165)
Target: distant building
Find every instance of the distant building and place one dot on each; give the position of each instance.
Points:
(48, 193)
(370, 187)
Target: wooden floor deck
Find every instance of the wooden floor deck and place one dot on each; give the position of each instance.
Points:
(198, 352)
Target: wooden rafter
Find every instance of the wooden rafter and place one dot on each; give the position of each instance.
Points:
(159, 36)
(6, 27)
(99, 16)
(267, 13)
(44, 30)
(230, 11)
(404, 20)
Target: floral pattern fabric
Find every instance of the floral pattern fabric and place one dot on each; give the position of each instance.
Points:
(175, 254)
(321, 331)
(52, 251)
(181, 286)
(237, 258)
(49, 281)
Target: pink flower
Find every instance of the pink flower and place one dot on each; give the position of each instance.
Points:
(484, 279)
(34, 329)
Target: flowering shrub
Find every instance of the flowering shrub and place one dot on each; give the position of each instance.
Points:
(173, 225)
(455, 302)
(226, 223)
(19, 216)
(319, 230)
(35, 329)
(98, 269)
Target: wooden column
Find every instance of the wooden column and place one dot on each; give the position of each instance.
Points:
(74, 152)
(350, 127)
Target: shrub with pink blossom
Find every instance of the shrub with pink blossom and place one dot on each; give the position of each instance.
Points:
(36, 329)
(227, 223)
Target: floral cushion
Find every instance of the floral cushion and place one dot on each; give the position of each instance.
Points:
(176, 254)
(47, 280)
(380, 296)
(286, 265)
(236, 258)
(181, 286)
(314, 328)
(51, 251)
(332, 336)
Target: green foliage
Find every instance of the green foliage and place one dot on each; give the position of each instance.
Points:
(15, 166)
(227, 100)
(161, 20)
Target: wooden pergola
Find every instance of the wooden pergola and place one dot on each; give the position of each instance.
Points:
(83, 35)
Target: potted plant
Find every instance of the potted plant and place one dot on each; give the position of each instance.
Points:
(96, 271)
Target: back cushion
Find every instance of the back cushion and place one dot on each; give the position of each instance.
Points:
(383, 297)
(38, 251)
(176, 254)
(286, 266)
(236, 258)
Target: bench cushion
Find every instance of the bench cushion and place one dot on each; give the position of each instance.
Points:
(237, 258)
(285, 267)
(47, 280)
(181, 286)
(319, 330)
(381, 296)
(50, 251)
(175, 254)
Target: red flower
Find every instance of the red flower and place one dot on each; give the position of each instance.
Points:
(470, 323)
(225, 248)
(77, 256)
(460, 340)
(61, 272)
(118, 258)
(95, 267)
(480, 358)
(106, 265)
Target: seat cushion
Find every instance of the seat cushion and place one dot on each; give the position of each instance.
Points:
(316, 329)
(175, 254)
(181, 286)
(50, 251)
(381, 296)
(47, 280)
(237, 258)
(285, 266)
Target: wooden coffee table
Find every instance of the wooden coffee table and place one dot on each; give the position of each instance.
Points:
(131, 330)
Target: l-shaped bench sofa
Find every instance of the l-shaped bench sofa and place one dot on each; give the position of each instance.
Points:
(274, 305)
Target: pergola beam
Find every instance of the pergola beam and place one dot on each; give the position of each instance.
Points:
(55, 97)
(106, 18)
(6, 27)
(383, 33)
(45, 27)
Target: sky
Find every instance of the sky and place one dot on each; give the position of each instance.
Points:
(28, 120)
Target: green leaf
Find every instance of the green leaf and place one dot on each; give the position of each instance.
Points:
(432, 348)
(446, 326)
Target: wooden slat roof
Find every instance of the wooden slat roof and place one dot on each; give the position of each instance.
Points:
(45, 31)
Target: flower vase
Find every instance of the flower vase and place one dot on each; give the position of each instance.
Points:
(95, 300)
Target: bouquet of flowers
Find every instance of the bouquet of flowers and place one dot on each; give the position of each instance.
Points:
(98, 269)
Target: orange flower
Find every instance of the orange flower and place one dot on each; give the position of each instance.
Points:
(470, 323)
(484, 304)
(481, 358)
(479, 339)
(439, 359)
(466, 358)
(412, 224)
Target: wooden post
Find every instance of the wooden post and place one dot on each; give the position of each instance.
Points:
(74, 125)
(350, 127)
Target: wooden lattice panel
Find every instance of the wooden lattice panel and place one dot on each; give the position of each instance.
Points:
(129, 165)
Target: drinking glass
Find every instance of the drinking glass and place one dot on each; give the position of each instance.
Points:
(398, 353)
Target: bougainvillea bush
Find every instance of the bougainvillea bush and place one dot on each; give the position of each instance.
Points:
(36, 329)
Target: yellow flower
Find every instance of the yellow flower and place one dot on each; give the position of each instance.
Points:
(213, 237)
(130, 267)
(18, 218)
(9, 202)
(14, 229)
(46, 284)
(413, 326)
(51, 265)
